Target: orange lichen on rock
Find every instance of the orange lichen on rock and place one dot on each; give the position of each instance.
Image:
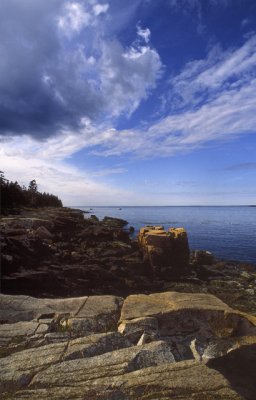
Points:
(167, 252)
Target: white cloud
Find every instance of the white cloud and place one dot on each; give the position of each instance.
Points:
(217, 102)
(108, 171)
(229, 115)
(74, 18)
(204, 80)
(227, 112)
(212, 99)
(100, 8)
(121, 76)
(144, 33)
(56, 176)
(70, 69)
(233, 65)
(127, 75)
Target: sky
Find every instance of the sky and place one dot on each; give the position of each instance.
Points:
(139, 102)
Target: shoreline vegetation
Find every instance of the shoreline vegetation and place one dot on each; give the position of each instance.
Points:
(13, 196)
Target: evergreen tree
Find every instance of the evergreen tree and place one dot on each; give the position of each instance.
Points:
(33, 194)
(12, 195)
(32, 187)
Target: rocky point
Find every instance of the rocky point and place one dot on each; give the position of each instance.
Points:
(86, 312)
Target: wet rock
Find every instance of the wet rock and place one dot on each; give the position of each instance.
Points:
(202, 257)
(7, 257)
(10, 224)
(245, 275)
(43, 233)
(65, 254)
(94, 218)
(250, 292)
(114, 222)
(206, 273)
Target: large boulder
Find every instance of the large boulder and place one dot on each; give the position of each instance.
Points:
(71, 349)
(114, 222)
(191, 323)
(177, 312)
(167, 252)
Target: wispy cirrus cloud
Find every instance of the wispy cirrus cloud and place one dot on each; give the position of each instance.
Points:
(205, 80)
(55, 175)
(210, 100)
(241, 167)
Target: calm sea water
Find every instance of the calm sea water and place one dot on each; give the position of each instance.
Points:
(228, 232)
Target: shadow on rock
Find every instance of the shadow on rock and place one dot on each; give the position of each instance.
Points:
(239, 368)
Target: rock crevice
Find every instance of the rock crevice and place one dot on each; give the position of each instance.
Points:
(141, 343)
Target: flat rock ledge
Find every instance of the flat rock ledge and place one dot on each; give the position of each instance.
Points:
(160, 346)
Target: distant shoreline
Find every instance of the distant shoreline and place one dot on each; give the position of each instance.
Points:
(133, 206)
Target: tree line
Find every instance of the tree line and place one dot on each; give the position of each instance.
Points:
(12, 195)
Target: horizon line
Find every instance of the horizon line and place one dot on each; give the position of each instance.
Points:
(197, 205)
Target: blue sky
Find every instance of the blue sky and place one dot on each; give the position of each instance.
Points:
(130, 103)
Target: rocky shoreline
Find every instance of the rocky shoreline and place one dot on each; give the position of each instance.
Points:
(88, 313)
(60, 253)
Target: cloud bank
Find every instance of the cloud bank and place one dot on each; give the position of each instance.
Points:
(59, 65)
(67, 80)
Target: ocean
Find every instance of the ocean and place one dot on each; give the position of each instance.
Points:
(228, 232)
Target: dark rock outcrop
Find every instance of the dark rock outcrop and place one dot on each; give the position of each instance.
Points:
(58, 252)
